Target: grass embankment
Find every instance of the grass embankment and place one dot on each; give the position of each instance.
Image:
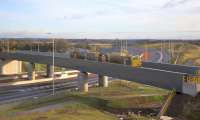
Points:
(191, 110)
(185, 107)
(98, 104)
(191, 54)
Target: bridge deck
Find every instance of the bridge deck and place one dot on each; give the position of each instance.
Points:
(149, 76)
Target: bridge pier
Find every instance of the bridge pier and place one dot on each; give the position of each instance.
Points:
(103, 81)
(49, 71)
(83, 81)
(31, 71)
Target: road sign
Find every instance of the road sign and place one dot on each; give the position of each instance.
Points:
(192, 79)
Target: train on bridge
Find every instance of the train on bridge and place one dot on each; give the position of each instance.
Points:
(125, 59)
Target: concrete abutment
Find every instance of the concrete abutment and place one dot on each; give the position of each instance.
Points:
(9, 67)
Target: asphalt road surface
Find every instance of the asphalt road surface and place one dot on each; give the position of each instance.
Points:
(12, 94)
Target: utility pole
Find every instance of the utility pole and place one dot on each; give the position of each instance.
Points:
(120, 47)
(2, 45)
(172, 48)
(38, 47)
(38, 50)
(31, 46)
(169, 45)
(8, 47)
(126, 46)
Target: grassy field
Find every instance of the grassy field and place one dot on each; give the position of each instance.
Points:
(98, 104)
(191, 54)
(186, 52)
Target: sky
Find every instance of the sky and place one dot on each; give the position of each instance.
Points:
(127, 19)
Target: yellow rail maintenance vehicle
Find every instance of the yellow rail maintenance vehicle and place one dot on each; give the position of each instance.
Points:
(136, 61)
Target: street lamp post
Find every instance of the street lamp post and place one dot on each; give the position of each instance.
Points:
(161, 50)
(38, 49)
(53, 82)
(169, 45)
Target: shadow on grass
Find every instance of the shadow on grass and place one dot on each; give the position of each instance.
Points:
(104, 105)
(35, 103)
(95, 102)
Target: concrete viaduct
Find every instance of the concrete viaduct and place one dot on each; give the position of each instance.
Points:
(165, 76)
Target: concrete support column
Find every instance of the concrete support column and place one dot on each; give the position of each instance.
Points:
(103, 81)
(49, 71)
(83, 81)
(31, 71)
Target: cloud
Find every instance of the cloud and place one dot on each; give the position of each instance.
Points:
(174, 3)
(77, 16)
(99, 16)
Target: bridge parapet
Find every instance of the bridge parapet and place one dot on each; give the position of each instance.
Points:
(173, 67)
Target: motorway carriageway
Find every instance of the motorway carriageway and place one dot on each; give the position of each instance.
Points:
(24, 92)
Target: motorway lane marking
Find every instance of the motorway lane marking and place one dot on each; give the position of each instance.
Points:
(46, 86)
(92, 80)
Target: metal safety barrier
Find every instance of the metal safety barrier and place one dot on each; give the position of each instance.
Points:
(167, 103)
